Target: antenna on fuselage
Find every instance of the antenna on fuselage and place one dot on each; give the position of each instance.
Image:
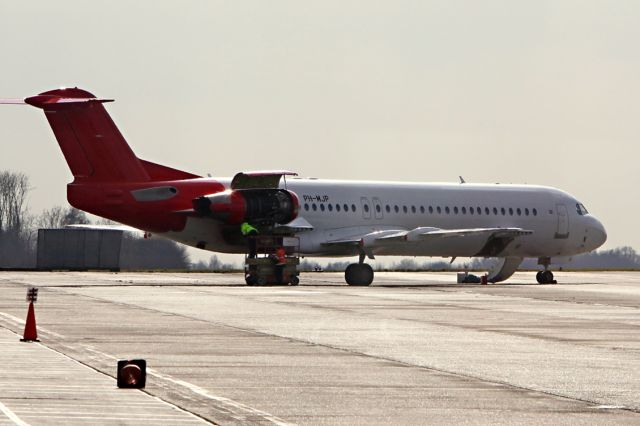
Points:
(462, 179)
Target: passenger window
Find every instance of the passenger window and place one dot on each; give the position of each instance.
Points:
(330, 207)
(464, 210)
(535, 212)
(322, 207)
(455, 210)
(486, 211)
(346, 208)
(366, 208)
(378, 208)
(518, 211)
(470, 210)
(306, 207)
(503, 211)
(431, 209)
(495, 211)
(446, 209)
(526, 211)
(510, 211)
(396, 208)
(422, 209)
(314, 207)
(478, 210)
(387, 208)
(404, 209)
(413, 209)
(353, 207)
(439, 209)
(337, 207)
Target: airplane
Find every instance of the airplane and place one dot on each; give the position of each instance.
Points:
(331, 218)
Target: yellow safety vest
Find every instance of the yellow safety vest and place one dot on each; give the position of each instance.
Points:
(246, 228)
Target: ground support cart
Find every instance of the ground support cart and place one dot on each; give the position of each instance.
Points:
(263, 269)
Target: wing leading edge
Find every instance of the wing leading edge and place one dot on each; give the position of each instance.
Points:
(496, 240)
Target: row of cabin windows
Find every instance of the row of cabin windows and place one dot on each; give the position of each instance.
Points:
(447, 210)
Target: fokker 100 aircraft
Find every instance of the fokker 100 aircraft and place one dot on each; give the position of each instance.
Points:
(330, 217)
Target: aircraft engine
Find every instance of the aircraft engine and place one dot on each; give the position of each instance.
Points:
(256, 206)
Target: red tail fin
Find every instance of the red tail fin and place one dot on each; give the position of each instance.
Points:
(91, 143)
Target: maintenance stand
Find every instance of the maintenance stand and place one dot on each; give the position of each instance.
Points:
(265, 268)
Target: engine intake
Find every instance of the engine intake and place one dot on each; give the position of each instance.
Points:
(257, 206)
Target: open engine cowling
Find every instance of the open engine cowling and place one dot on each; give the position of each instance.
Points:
(256, 206)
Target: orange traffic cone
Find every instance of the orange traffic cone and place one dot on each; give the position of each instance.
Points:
(30, 332)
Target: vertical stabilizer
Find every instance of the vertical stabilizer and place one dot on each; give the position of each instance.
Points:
(91, 143)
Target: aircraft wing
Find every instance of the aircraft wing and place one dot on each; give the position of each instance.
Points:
(358, 240)
(298, 224)
(488, 242)
(428, 233)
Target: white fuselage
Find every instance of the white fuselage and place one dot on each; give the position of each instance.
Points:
(340, 210)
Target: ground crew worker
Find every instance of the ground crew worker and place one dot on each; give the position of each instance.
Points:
(250, 234)
(281, 262)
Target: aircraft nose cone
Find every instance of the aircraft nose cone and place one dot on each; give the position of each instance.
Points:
(597, 234)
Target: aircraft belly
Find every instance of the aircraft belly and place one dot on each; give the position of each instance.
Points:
(207, 234)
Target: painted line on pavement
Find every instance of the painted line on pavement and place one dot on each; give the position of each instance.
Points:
(12, 416)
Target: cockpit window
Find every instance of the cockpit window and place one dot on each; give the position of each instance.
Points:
(582, 210)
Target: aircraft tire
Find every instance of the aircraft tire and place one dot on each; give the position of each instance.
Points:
(295, 281)
(547, 277)
(359, 274)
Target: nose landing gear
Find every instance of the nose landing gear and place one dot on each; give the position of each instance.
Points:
(546, 276)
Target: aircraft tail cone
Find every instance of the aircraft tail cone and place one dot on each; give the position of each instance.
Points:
(30, 331)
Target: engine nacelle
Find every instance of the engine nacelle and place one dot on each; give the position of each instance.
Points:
(256, 206)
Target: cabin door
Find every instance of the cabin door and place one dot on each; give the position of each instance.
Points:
(563, 221)
(366, 207)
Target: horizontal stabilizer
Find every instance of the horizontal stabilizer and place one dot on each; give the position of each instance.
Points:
(41, 101)
(117, 227)
(13, 101)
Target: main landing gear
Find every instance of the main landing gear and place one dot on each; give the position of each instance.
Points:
(359, 273)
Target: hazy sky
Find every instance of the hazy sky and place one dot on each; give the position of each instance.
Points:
(543, 92)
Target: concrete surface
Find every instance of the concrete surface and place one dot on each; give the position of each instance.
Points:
(414, 348)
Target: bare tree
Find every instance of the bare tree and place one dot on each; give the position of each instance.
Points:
(14, 188)
(58, 217)
(51, 218)
(74, 216)
(16, 242)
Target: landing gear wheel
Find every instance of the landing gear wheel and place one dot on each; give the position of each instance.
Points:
(360, 274)
(250, 280)
(295, 281)
(545, 277)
